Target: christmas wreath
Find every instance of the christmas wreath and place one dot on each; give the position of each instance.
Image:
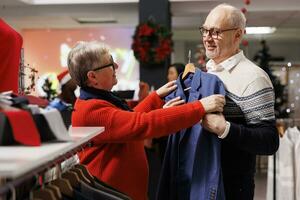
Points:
(152, 43)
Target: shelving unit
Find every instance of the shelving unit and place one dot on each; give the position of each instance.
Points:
(18, 163)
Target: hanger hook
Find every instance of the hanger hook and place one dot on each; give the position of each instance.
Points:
(13, 191)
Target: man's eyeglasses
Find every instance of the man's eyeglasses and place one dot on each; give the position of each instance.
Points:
(104, 66)
(214, 33)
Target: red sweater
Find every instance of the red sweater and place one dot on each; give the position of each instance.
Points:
(10, 51)
(117, 156)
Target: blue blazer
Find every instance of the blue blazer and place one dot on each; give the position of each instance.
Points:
(192, 165)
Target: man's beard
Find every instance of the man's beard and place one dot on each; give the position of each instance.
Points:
(212, 54)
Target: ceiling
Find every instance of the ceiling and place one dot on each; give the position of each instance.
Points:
(187, 15)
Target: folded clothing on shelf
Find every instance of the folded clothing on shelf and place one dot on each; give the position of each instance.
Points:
(18, 128)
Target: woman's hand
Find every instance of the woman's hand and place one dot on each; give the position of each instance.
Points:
(213, 103)
(166, 89)
(173, 102)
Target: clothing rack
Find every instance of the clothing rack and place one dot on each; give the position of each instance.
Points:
(288, 122)
(51, 155)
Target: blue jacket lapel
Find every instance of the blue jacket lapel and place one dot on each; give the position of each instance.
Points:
(195, 93)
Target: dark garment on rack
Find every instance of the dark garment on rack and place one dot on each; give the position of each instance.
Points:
(110, 191)
(104, 184)
(98, 182)
(78, 195)
(96, 194)
(154, 165)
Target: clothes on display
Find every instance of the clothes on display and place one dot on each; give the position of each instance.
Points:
(28, 124)
(192, 165)
(287, 175)
(23, 127)
(56, 124)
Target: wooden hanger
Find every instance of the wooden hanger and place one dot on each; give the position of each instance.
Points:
(72, 177)
(189, 68)
(85, 172)
(81, 175)
(44, 193)
(63, 184)
(41, 192)
(55, 191)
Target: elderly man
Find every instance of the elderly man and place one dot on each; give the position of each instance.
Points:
(250, 127)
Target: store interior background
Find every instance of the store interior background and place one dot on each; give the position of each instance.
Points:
(49, 31)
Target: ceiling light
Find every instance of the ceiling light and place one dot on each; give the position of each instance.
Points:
(260, 30)
(95, 20)
(48, 2)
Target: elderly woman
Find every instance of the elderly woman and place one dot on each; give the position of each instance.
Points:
(117, 156)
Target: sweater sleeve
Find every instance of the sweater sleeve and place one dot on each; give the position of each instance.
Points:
(122, 126)
(258, 139)
(151, 102)
(260, 135)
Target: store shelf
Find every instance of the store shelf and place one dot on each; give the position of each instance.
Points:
(16, 161)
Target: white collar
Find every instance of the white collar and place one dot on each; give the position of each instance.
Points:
(227, 64)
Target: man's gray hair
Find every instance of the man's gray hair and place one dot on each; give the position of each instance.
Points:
(84, 57)
(236, 18)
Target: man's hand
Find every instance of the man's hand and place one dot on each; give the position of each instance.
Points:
(173, 102)
(213, 103)
(214, 123)
(166, 89)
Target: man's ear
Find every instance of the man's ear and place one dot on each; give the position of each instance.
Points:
(91, 78)
(239, 34)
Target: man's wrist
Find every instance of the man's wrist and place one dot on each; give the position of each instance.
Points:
(226, 131)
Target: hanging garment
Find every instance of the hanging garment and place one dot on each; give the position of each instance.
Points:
(96, 194)
(297, 166)
(192, 165)
(286, 167)
(100, 185)
(10, 51)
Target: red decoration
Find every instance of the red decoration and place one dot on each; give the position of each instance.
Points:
(152, 43)
(247, 2)
(245, 43)
(244, 10)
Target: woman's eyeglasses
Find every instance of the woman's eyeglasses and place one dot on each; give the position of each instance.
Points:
(104, 66)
